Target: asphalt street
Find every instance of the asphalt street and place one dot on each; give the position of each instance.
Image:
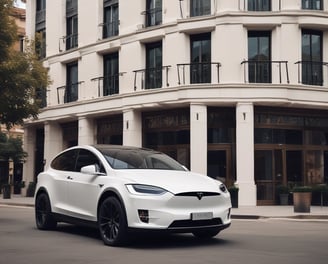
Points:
(246, 241)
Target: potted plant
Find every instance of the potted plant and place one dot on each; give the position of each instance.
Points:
(302, 196)
(283, 192)
(233, 190)
(320, 194)
(6, 191)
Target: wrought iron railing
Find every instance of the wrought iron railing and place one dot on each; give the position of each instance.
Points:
(68, 93)
(200, 72)
(311, 72)
(107, 85)
(153, 16)
(109, 29)
(69, 42)
(151, 78)
(260, 71)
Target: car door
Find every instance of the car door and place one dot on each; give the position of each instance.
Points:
(84, 189)
(63, 167)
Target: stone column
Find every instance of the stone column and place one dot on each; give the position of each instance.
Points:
(198, 138)
(132, 128)
(245, 154)
(53, 141)
(86, 131)
(28, 166)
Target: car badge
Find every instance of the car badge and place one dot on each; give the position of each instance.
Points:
(200, 195)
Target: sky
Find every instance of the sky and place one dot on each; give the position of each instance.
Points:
(19, 3)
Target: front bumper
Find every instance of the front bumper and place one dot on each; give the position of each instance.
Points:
(174, 213)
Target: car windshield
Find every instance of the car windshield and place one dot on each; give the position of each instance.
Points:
(127, 158)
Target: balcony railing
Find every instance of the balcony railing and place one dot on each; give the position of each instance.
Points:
(198, 72)
(40, 16)
(153, 16)
(151, 78)
(68, 93)
(261, 71)
(311, 72)
(109, 29)
(107, 85)
(69, 42)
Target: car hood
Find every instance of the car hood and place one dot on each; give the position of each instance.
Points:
(173, 181)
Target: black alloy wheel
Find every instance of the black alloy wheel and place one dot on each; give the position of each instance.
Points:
(43, 216)
(112, 222)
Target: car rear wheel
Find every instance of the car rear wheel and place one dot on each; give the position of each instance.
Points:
(206, 233)
(43, 216)
(112, 222)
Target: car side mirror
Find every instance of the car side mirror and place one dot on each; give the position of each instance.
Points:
(92, 169)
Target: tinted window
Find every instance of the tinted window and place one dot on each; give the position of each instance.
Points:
(65, 161)
(139, 159)
(87, 158)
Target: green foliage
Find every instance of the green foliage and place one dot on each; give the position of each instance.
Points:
(302, 189)
(11, 148)
(22, 75)
(281, 189)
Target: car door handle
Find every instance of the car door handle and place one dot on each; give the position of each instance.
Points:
(69, 178)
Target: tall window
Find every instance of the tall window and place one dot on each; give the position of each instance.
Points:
(71, 24)
(40, 28)
(153, 12)
(200, 7)
(312, 57)
(154, 65)
(312, 4)
(111, 74)
(200, 66)
(259, 5)
(111, 21)
(71, 92)
(259, 56)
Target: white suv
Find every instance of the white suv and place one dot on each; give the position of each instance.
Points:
(120, 189)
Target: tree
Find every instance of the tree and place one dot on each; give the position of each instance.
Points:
(22, 75)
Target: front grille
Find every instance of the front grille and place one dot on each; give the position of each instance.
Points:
(195, 223)
(198, 194)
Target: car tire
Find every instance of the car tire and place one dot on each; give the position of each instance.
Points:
(43, 215)
(206, 233)
(112, 222)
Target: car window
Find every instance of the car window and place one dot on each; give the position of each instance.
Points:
(86, 158)
(65, 161)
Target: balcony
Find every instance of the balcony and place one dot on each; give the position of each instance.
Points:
(69, 42)
(311, 72)
(40, 16)
(262, 71)
(107, 85)
(201, 72)
(109, 29)
(153, 17)
(151, 78)
(68, 93)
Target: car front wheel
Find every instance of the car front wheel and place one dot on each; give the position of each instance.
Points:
(43, 216)
(112, 222)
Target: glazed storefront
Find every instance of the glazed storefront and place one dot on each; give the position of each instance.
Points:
(291, 148)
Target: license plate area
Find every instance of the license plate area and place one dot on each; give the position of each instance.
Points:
(201, 216)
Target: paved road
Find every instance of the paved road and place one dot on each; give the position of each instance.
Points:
(247, 241)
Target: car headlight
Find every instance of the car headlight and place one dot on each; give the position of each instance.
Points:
(223, 188)
(141, 189)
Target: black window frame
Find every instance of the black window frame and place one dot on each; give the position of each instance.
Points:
(153, 13)
(312, 68)
(200, 62)
(154, 65)
(66, 161)
(111, 18)
(259, 5)
(72, 84)
(111, 74)
(312, 4)
(259, 67)
(200, 7)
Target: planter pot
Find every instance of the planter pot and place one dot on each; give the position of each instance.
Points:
(6, 192)
(302, 202)
(234, 198)
(283, 198)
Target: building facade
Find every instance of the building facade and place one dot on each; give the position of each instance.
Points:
(235, 89)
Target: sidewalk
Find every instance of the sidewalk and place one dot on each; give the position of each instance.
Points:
(243, 212)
